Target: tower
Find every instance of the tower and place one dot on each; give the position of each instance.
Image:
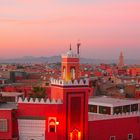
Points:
(74, 94)
(121, 60)
(70, 65)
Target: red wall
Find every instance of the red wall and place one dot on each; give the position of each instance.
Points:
(43, 110)
(102, 130)
(60, 92)
(75, 92)
(137, 94)
(56, 92)
(6, 114)
(38, 110)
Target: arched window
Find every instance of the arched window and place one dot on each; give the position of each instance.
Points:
(64, 72)
(75, 135)
(73, 73)
(52, 124)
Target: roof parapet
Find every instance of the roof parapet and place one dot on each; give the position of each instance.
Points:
(39, 101)
(81, 82)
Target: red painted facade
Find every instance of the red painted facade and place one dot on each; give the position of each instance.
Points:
(43, 111)
(8, 134)
(137, 94)
(70, 68)
(120, 128)
(133, 71)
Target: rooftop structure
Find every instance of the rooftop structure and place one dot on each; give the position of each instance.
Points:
(112, 102)
(11, 94)
(8, 106)
(121, 60)
(102, 108)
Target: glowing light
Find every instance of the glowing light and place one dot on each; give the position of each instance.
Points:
(57, 123)
(79, 135)
(71, 136)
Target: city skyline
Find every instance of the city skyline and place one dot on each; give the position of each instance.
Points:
(46, 28)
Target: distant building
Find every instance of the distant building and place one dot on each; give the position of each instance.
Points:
(133, 71)
(11, 96)
(121, 60)
(17, 75)
(4, 81)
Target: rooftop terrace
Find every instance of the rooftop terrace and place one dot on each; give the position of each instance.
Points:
(112, 102)
(96, 117)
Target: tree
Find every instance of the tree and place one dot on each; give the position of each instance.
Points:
(38, 92)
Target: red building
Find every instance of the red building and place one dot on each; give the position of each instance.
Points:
(114, 119)
(134, 71)
(7, 121)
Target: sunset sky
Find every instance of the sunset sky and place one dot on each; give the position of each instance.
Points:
(47, 27)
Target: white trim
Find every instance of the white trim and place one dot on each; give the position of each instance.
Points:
(6, 108)
(97, 109)
(42, 101)
(58, 82)
(112, 111)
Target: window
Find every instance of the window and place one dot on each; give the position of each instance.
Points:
(3, 125)
(130, 136)
(52, 128)
(104, 110)
(64, 72)
(112, 138)
(73, 73)
(117, 110)
(92, 108)
(126, 108)
(134, 107)
(52, 124)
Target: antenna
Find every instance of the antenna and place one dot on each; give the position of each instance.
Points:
(78, 47)
(70, 46)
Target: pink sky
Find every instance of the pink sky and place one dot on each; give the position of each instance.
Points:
(46, 27)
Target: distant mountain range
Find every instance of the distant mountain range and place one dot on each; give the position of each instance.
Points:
(55, 59)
